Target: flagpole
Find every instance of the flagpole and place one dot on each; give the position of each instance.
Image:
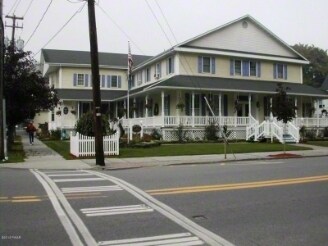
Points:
(130, 63)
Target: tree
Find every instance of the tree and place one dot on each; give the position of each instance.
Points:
(283, 107)
(85, 125)
(26, 91)
(315, 72)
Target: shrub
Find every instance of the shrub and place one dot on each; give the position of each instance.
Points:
(85, 125)
(156, 135)
(310, 134)
(325, 132)
(211, 132)
(55, 134)
(44, 130)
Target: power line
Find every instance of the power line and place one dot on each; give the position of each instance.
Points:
(28, 8)
(121, 29)
(160, 25)
(45, 12)
(78, 11)
(12, 7)
(17, 6)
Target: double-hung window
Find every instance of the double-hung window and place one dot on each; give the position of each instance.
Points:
(246, 68)
(80, 79)
(114, 81)
(139, 78)
(279, 71)
(206, 64)
(158, 72)
(148, 74)
(170, 65)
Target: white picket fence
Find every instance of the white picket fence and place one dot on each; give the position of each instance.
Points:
(81, 145)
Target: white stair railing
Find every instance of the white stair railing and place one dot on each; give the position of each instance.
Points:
(293, 131)
(277, 131)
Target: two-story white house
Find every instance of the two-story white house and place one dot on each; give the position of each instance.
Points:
(236, 67)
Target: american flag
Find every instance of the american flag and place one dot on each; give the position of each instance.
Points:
(130, 61)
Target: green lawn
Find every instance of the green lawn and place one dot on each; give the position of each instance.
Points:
(16, 154)
(319, 143)
(62, 147)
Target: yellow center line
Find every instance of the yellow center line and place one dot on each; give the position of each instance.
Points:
(24, 197)
(234, 186)
(26, 200)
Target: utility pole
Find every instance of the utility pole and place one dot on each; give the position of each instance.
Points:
(14, 26)
(95, 84)
(2, 130)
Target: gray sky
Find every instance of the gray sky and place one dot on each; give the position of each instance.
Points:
(294, 21)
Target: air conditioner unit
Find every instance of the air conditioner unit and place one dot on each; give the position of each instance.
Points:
(156, 76)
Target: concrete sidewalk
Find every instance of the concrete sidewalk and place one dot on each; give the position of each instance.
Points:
(39, 156)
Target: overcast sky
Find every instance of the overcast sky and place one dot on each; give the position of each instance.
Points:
(294, 21)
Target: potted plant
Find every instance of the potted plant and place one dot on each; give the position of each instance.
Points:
(180, 106)
(58, 112)
(73, 111)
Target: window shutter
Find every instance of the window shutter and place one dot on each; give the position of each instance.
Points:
(119, 83)
(160, 70)
(274, 70)
(285, 71)
(86, 80)
(213, 65)
(258, 64)
(74, 79)
(108, 81)
(187, 102)
(245, 68)
(232, 67)
(200, 64)
(103, 80)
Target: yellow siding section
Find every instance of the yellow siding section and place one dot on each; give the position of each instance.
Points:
(188, 64)
(67, 77)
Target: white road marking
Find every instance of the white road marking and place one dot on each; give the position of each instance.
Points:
(89, 240)
(204, 234)
(103, 211)
(170, 239)
(73, 236)
(68, 174)
(77, 180)
(91, 189)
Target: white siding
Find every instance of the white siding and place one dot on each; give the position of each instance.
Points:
(251, 39)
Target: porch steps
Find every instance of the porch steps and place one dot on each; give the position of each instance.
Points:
(288, 138)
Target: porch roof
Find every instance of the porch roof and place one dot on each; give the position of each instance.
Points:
(231, 85)
(86, 95)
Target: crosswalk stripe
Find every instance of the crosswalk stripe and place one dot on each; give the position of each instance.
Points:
(91, 189)
(102, 211)
(77, 180)
(69, 174)
(179, 239)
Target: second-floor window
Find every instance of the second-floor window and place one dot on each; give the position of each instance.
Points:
(170, 65)
(80, 79)
(247, 68)
(279, 71)
(206, 64)
(148, 74)
(139, 78)
(158, 72)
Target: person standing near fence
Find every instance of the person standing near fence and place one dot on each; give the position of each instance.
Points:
(30, 129)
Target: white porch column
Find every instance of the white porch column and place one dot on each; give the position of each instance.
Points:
(116, 109)
(134, 108)
(193, 108)
(220, 104)
(249, 105)
(163, 115)
(146, 102)
(125, 106)
(271, 114)
(296, 107)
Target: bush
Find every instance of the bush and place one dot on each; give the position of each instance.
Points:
(156, 135)
(211, 132)
(325, 132)
(44, 130)
(55, 134)
(85, 125)
(310, 134)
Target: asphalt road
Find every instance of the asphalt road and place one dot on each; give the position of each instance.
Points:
(282, 202)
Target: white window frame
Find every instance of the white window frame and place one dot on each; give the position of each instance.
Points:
(210, 64)
(255, 66)
(147, 74)
(157, 68)
(241, 67)
(111, 81)
(80, 81)
(280, 65)
(139, 78)
(170, 66)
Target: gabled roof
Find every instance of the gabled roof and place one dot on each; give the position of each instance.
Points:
(51, 56)
(244, 18)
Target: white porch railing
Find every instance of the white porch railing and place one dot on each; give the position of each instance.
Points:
(169, 121)
(85, 146)
(311, 122)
